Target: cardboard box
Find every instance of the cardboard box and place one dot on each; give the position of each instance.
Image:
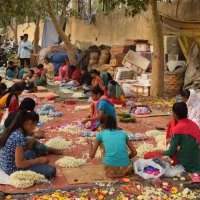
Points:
(142, 90)
(136, 62)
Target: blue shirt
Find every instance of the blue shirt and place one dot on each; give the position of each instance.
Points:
(106, 107)
(10, 73)
(7, 153)
(115, 146)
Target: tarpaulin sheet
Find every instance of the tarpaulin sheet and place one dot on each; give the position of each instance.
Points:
(50, 35)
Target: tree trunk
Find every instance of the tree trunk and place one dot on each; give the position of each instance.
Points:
(157, 86)
(89, 7)
(75, 5)
(13, 27)
(36, 35)
(70, 48)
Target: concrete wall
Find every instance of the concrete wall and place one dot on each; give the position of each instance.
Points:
(28, 28)
(111, 29)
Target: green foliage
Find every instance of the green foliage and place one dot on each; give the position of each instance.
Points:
(132, 6)
(22, 10)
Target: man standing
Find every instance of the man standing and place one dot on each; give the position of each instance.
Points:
(24, 51)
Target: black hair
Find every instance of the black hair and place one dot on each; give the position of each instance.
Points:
(94, 71)
(180, 110)
(25, 35)
(1, 78)
(17, 123)
(84, 69)
(47, 58)
(28, 104)
(3, 88)
(108, 122)
(97, 90)
(17, 87)
(113, 82)
(22, 37)
(32, 71)
(11, 63)
(185, 93)
(40, 66)
(110, 78)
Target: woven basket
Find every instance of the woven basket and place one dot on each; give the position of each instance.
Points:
(173, 83)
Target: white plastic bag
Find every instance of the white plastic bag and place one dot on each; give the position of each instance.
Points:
(141, 164)
(173, 171)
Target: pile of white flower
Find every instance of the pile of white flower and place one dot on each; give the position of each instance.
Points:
(160, 140)
(25, 179)
(71, 129)
(58, 143)
(70, 162)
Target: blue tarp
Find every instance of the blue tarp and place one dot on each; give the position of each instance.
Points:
(58, 59)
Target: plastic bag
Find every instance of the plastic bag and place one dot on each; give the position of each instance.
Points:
(148, 169)
(173, 171)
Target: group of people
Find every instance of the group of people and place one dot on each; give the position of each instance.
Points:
(20, 149)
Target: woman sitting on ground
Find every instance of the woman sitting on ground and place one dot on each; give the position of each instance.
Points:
(96, 80)
(115, 143)
(12, 101)
(29, 80)
(49, 68)
(40, 77)
(100, 106)
(15, 153)
(28, 104)
(3, 97)
(185, 140)
(115, 93)
(75, 74)
(11, 71)
(63, 74)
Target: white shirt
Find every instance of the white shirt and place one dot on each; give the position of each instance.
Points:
(24, 50)
(193, 105)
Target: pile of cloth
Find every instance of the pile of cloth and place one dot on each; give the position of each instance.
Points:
(49, 110)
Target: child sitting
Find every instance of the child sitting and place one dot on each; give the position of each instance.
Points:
(40, 79)
(11, 71)
(15, 154)
(115, 143)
